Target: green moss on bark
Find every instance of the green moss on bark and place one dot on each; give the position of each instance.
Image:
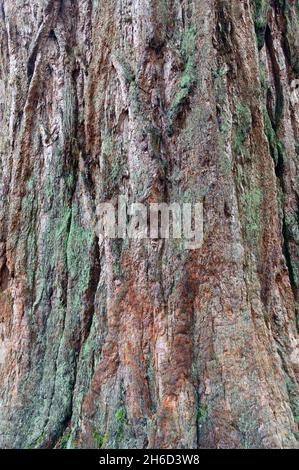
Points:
(188, 77)
(260, 9)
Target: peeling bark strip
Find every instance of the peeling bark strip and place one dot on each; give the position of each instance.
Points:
(141, 343)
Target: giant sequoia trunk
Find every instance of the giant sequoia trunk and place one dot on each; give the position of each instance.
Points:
(141, 343)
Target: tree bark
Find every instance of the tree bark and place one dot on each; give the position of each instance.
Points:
(141, 343)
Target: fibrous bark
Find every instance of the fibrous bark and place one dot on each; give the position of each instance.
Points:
(140, 343)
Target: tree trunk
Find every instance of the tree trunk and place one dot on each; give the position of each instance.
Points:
(132, 343)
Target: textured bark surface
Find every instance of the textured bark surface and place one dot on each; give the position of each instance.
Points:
(136, 344)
